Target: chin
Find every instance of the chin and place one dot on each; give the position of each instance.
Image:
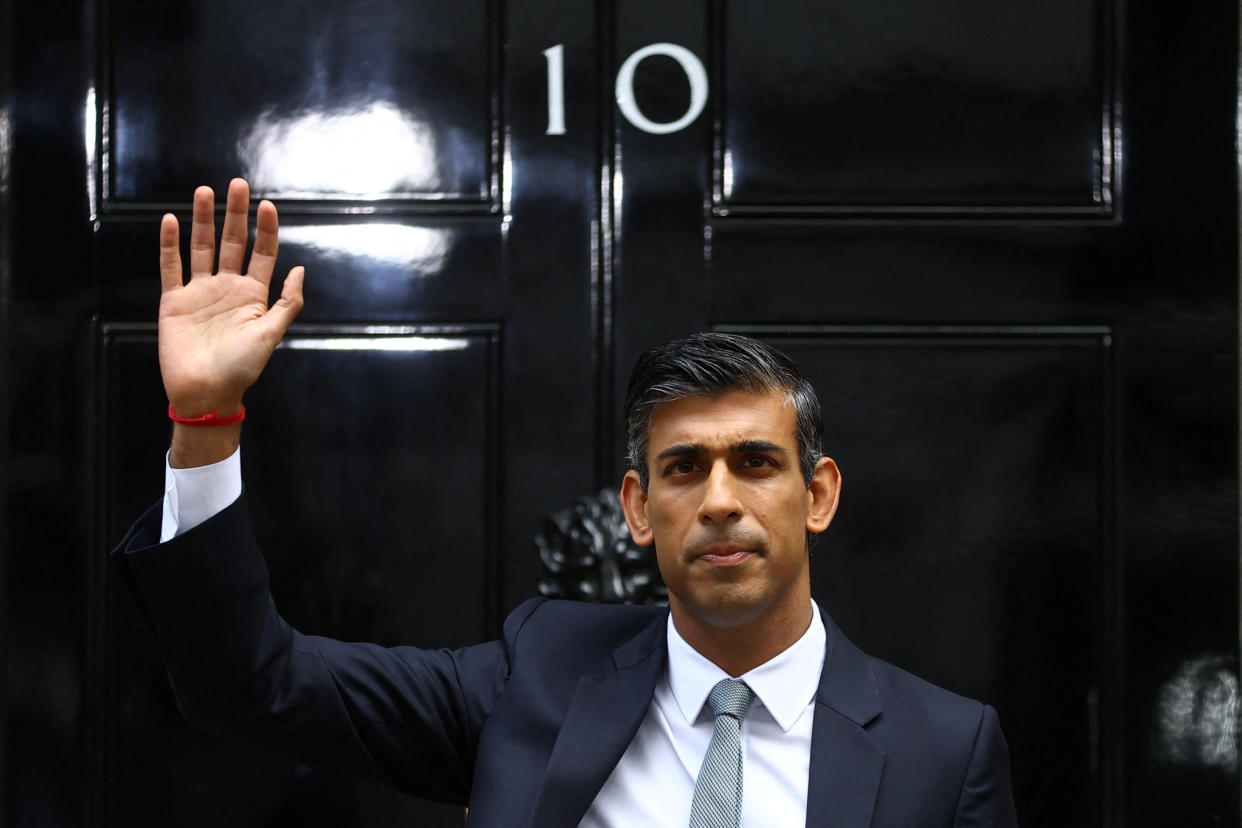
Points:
(725, 610)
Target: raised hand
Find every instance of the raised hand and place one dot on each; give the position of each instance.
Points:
(216, 333)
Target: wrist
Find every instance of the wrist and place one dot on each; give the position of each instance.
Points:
(210, 420)
(193, 407)
(194, 446)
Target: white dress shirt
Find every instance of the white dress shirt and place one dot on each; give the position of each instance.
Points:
(653, 783)
(193, 495)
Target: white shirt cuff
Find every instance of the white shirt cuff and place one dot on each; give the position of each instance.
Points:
(193, 495)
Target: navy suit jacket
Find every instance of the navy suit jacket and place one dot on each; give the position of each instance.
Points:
(526, 730)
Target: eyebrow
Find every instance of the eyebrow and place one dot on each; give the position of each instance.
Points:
(741, 447)
(747, 446)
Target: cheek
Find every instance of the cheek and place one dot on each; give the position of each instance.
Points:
(666, 515)
(662, 559)
(669, 570)
(771, 507)
(657, 522)
(785, 515)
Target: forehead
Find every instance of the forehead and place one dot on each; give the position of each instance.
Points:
(725, 419)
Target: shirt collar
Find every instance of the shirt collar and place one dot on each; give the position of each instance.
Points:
(785, 684)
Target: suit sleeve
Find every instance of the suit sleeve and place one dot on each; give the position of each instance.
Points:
(986, 799)
(409, 716)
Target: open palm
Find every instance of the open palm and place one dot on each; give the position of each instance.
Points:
(216, 333)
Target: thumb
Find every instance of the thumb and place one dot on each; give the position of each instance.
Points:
(282, 314)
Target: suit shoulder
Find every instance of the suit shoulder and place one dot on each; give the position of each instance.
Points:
(565, 622)
(869, 690)
(902, 690)
(920, 720)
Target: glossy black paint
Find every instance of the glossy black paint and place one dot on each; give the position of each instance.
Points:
(934, 106)
(6, 259)
(382, 99)
(1001, 240)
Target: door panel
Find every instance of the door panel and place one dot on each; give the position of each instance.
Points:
(377, 572)
(925, 107)
(374, 100)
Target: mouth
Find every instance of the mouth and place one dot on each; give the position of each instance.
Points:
(724, 555)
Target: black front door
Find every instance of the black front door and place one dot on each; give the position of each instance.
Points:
(1001, 239)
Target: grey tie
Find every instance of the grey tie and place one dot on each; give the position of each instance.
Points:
(718, 791)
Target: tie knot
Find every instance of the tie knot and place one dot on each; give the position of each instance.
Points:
(731, 697)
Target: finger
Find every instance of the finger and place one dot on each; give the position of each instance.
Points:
(282, 314)
(203, 233)
(263, 257)
(170, 253)
(233, 236)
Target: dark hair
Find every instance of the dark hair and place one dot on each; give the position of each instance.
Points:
(707, 364)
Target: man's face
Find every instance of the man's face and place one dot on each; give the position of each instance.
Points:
(727, 506)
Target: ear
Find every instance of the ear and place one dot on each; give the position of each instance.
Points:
(824, 493)
(634, 504)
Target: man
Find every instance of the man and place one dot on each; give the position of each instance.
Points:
(742, 704)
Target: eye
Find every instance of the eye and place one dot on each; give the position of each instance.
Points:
(758, 461)
(683, 467)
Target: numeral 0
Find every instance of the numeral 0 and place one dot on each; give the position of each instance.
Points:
(691, 65)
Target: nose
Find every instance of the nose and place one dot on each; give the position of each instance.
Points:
(721, 503)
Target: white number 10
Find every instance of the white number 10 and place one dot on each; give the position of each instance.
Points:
(690, 64)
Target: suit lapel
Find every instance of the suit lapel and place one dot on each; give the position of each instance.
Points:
(607, 708)
(846, 763)
(602, 719)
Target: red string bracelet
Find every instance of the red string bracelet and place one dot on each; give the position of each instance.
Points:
(207, 420)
